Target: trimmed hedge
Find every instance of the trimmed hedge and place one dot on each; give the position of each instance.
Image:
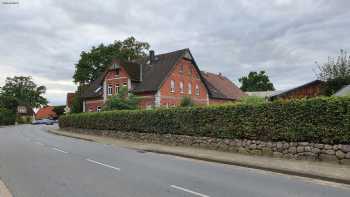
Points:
(324, 120)
(7, 117)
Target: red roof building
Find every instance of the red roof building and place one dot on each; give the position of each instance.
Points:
(160, 81)
(45, 113)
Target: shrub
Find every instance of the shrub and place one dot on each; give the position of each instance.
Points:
(186, 101)
(7, 117)
(8, 103)
(325, 120)
(122, 101)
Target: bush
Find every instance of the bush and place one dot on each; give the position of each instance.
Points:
(122, 101)
(7, 117)
(325, 120)
(186, 101)
(8, 103)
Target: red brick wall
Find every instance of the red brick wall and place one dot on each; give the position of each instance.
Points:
(174, 98)
(91, 105)
(146, 100)
(112, 79)
(218, 101)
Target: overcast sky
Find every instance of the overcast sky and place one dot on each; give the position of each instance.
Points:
(44, 38)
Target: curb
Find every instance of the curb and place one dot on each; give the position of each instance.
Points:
(223, 161)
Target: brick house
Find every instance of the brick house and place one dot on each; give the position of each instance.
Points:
(307, 90)
(46, 113)
(160, 80)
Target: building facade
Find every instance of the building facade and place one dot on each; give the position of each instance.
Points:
(160, 81)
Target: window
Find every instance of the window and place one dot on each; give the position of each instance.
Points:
(197, 90)
(109, 90)
(189, 88)
(98, 109)
(125, 84)
(116, 73)
(181, 69)
(172, 86)
(191, 71)
(117, 89)
(181, 87)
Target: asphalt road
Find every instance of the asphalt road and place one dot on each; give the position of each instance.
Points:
(34, 163)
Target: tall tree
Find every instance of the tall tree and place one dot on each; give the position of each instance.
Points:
(336, 74)
(93, 62)
(256, 82)
(24, 90)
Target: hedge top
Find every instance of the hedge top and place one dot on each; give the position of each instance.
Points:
(325, 120)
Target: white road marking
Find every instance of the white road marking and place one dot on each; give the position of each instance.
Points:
(59, 150)
(189, 191)
(39, 143)
(102, 164)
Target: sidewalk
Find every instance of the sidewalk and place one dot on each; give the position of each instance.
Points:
(312, 169)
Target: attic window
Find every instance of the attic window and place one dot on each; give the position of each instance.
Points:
(172, 86)
(117, 73)
(115, 66)
(197, 90)
(181, 69)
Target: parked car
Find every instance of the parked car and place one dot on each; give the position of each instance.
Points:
(44, 121)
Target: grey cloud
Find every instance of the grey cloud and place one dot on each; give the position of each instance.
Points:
(284, 37)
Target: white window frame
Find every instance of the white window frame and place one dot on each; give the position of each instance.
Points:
(109, 90)
(172, 86)
(181, 69)
(197, 90)
(189, 88)
(181, 87)
(116, 89)
(98, 109)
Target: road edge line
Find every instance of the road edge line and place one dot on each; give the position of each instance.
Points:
(222, 161)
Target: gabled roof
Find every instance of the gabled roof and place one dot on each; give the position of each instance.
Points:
(152, 76)
(45, 112)
(221, 87)
(283, 93)
(93, 90)
(154, 73)
(344, 91)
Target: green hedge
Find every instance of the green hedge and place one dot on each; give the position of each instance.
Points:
(325, 120)
(7, 117)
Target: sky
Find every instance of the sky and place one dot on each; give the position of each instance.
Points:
(44, 39)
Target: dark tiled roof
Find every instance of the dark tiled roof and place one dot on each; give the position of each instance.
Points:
(89, 91)
(155, 72)
(221, 87)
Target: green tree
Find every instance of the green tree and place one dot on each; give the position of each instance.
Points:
(77, 103)
(123, 100)
(9, 103)
(93, 62)
(336, 74)
(256, 82)
(59, 110)
(186, 101)
(25, 91)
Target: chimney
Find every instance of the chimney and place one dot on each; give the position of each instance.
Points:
(151, 56)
